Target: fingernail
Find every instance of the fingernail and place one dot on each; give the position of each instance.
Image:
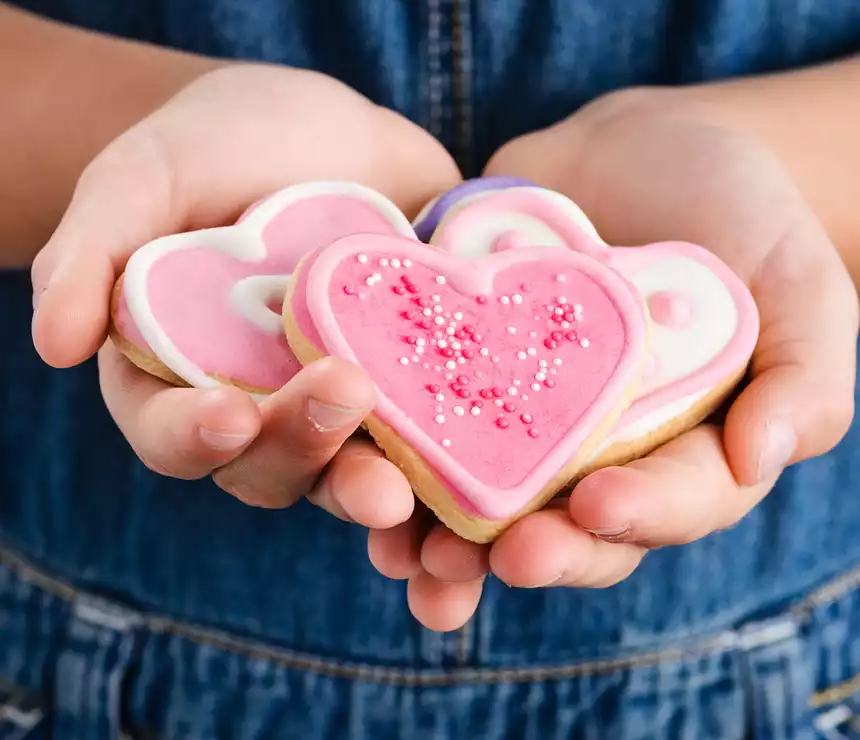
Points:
(549, 583)
(327, 418)
(780, 442)
(611, 534)
(224, 441)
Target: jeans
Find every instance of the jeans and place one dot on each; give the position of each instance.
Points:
(132, 605)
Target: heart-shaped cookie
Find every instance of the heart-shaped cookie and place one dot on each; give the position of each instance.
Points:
(204, 308)
(496, 377)
(704, 320)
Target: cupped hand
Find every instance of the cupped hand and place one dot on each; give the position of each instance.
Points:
(647, 166)
(234, 135)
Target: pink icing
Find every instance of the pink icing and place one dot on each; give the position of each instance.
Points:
(441, 337)
(627, 261)
(510, 240)
(189, 288)
(671, 309)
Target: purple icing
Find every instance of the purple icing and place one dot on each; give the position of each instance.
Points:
(425, 226)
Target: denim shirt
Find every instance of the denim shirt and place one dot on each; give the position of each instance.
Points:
(168, 609)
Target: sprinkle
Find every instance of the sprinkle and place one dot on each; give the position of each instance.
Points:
(462, 380)
(406, 263)
(526, 418)
(437, 309)
(561, 300)
(557, 336)
(441, 344)
(556, 360)
(517, 382)
(435, 298)
(426, 366)
(404, 360)
(459, 317)
(558, 311)
(362, 259)
(553, 371)
(433, 388)
(498, 402)
(439, 321)
(542, 363)
(502, 423)
(420, 342)
(398, 289)
(565, 325)
(533, 334)
(497, 392)
(561, 278)
(524, 397)
(376, 277)
(517, 298)
(440, 397)
(415, 357)
(584, 342)
(464, 393)
(484, 351)
(512, 391)
(427, 312)
(526, 288)
(512, 330)
(383, 262)
(451, 365)
(504, 300)
(468, 354)
(475, 410)
(550, 344)
(521, 355)
(486, 393)
(495, 358)
(440, 419)
(461, 360)
(534, 433)
(449, 331)
(370, 281)
(395, 263)
(535, 387)
(440, 280)
(455, 345)
(349, 290)
(482, 299)
(571, 336)
(459, 410)
(446, 442)
(577, 308)
(549, 383)
(509, 407)
(540, 376)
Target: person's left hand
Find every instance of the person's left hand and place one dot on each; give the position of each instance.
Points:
(646, 167)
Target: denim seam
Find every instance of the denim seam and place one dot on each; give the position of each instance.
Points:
(837, 693)
(434, 63)
(729, 640)
(462, 88)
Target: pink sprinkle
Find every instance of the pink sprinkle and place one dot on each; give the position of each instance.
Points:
(549, 383)
(463, 392)
(410, 340)
(486, 393)
(468, 328)
(456, 387)
(446, 352)
(510, 408)
(412, 288)
(569, 317)
(462, 380)
(526, 418)
(349, 290)
(497, 392)
(478, 404)
(398, 289)
(460, 334)
(422, 301)
(477, 338)
(433, 388)
(405, 279)
(557, 335)
(468, 354)
(482, 299)
(557, 318)
(571, 336)
(526, 288)
(408, 315)
(424, 324)
(550, 344)
(534, 433)
(502, 423)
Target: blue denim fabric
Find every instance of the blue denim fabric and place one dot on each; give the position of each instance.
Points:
(131, 603)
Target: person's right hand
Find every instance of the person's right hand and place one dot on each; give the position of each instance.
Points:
(231, 137)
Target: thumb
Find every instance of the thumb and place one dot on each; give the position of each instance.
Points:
(122, 200)
(800, 401)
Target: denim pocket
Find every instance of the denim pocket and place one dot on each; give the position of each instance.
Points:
(838, 711)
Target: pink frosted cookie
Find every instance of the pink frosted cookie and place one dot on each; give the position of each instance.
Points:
(204, 308)
(704, 322)
(485, 402)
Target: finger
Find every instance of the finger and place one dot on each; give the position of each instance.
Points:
(396, 552)
(548, 549)
(180, 432)
(361, 486)
(678, 494)
(440, 606)
(304, 425)
(451, 558)
(800, 402)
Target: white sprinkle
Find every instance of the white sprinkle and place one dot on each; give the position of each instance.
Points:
(512, 330)
(395, 263)
(370, 281)
(437, 309)
(521, 355)
(426, 366)
(565, 325)
(420, 342)
(459, 410)
(440, 280)
(362, 258)
(553, 371)
(532, 351)
(458, 316)
(438, 334)
(517, 298)
(542, 363)
(437, 368)
(376, 277)
(441, 344)
(414, 358)
(517, 382)
(558, 311)
(440, 419)
(450, 331)
(383, 262)
(461, 360)
(533, 334)
(455, 345)
(548, 308)
(556, 361)
(540, 376)
(484, 351)
(446, 442)
(524, 397)
(528, 418)
(407, 263)
(451, 365)
(562, 300)
(535, 387)
(439, 321)
(561, 278)
(427, 312)
(419, 350)
(499, 402)
(475, 411)
(495, 358)
(440, 396)
(584, 342)
(512, 391)
(504, 300)
(404, 360)
(577, 308)
(435, 298)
